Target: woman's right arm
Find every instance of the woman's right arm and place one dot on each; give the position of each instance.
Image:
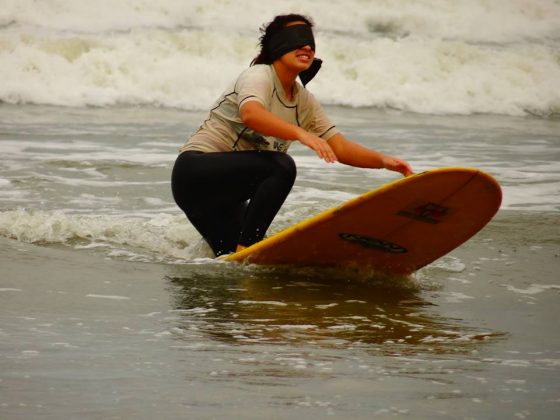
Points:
(257, 118)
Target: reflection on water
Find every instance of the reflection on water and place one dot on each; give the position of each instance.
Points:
(260, 306)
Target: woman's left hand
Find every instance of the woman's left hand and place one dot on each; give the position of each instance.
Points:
(398, 165)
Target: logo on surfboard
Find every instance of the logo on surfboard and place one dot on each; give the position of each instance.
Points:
(425, 212)
(370, 242)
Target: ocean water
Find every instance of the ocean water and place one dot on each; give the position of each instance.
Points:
(110, 305)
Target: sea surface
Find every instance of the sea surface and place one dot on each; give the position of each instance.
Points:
(111, 306)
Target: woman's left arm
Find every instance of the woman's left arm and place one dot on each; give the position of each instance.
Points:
(353, 154)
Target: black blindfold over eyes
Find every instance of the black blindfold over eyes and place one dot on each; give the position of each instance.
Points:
(291, 38)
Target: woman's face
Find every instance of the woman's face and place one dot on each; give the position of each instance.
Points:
(301, 58)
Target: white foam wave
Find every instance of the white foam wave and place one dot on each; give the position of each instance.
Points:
(465, 19)
(159, 238)
(533, 289)
(110, 297)
(442, 77)
(435, 56)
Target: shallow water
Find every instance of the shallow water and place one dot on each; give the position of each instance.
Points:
(474, 336)
(111, 308)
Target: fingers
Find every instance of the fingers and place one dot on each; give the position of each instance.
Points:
(326, 153)
(319, 146)
(397, 165)
(404, 168)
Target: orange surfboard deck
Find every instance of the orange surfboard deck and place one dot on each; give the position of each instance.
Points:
(395, 229)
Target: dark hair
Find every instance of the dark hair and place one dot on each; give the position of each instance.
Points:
(273, 27)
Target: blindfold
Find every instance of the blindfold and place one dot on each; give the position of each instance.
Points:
(291, 38)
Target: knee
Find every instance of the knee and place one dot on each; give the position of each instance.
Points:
(285, 166)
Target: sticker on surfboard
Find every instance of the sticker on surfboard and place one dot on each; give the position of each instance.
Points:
(425, 212)
(370, 242)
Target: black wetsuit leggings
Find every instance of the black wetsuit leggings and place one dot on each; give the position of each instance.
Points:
(232, 197)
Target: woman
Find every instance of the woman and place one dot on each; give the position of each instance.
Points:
(233, 175)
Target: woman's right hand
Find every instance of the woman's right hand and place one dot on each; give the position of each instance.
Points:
(317, 144)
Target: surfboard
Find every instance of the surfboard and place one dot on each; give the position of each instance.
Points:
(395, 229)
